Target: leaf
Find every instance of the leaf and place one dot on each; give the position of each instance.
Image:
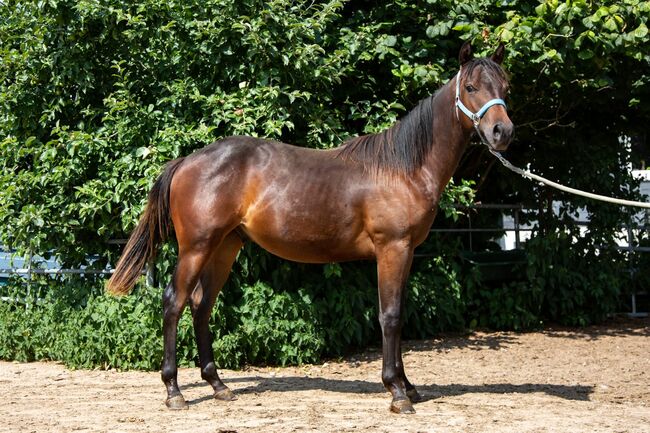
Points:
(390, 41)
(506, 35)
(142, 152)
(585, 54)
(610, 24)
(462, 27)
(641, 31)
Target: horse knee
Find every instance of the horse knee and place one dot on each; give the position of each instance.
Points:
(390, 321)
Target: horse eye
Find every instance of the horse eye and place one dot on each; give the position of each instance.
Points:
(470, 88)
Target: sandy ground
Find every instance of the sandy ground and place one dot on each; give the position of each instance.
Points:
(591, 380)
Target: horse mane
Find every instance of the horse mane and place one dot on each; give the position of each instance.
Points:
(402, 148)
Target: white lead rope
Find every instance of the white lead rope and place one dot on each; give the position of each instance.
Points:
(529, 175)
(476, 120)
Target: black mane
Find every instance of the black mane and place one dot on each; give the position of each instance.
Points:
(401, 148)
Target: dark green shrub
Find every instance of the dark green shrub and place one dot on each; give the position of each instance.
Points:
(96, 96)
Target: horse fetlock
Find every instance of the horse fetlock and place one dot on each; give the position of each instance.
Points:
(393, 383)
(168, 375)
(389, 381)
(413, 395)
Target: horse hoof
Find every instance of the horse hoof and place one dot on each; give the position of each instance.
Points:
(402, 406)
(225, 395)
(176, 402)
(414, 395)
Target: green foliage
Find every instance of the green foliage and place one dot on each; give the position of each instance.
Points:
(576, 289)
(96, 96)
(251, 323)
(435, 301)
(277, 327)
(455, 197)
(98, 331)
(126, 333)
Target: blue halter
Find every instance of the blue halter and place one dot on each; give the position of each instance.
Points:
(475, 117)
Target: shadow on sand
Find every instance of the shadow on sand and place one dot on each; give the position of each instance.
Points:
(447, 342)
(428, 392)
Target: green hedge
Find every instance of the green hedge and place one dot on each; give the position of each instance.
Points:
(295, 316)
(251, 324)
(95, 96)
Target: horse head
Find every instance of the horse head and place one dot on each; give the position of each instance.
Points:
(481, 86)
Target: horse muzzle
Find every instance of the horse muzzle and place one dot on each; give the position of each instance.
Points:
(500, 135)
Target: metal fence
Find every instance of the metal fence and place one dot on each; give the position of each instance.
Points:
(29, 271)
(632, 231)
(511, 225)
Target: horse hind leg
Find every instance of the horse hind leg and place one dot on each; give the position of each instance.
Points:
(175, 297)
(213, 277)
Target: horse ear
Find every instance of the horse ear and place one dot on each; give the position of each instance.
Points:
(499, 54)
(465, 54)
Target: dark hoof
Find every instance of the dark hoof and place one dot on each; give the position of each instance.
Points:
(414, 395)
(402, 406)
(225, 395)
(176, 402)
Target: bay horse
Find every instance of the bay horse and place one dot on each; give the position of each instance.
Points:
(374, 197)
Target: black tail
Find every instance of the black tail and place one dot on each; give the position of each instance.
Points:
(152, 230)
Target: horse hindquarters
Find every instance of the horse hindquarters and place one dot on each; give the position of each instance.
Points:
(203, 212)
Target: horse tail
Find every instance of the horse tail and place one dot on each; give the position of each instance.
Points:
(152, 230)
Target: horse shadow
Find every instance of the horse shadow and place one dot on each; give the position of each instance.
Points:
(261, 384)
(497, 341)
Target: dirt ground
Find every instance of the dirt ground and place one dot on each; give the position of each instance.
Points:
(590, 380)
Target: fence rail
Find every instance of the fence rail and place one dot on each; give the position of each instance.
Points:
(517, 228)
(28, 271)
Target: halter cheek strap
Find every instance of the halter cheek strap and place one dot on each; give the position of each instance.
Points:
(475, 117)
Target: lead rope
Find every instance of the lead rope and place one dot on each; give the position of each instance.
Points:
(529, 175)
(476, 120)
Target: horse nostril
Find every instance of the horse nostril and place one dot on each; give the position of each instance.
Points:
(497, 131)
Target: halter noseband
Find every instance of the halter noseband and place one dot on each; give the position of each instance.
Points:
(475, 117)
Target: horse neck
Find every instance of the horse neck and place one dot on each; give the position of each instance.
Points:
(449, 142)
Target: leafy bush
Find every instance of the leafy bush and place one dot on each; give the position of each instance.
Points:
(96, 96)
(259, 323)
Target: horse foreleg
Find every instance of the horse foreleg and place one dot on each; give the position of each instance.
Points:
(393, 264)
(411, 392)
(213, 277)
(175, 297)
